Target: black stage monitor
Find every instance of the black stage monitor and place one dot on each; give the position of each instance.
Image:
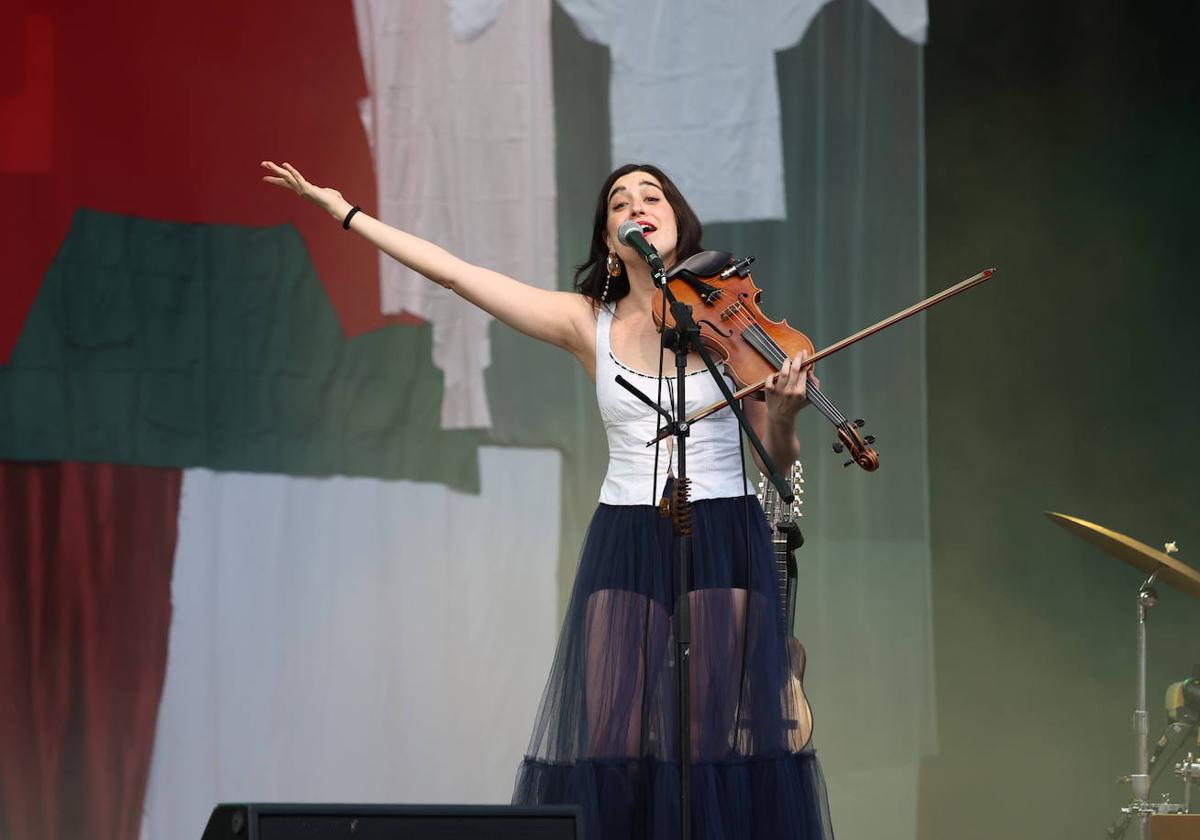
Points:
(264, 821)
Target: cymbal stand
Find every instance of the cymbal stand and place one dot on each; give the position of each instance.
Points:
(1140, 809)
(1189, 770)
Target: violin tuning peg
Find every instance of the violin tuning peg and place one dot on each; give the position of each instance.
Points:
(848, 463)
(860, 422)
(837, 447)
(869, 439)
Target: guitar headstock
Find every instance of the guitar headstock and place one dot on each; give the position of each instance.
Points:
(768, 497)
(797, 481)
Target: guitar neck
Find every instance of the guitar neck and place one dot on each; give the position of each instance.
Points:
(780, 544)
(779, 517)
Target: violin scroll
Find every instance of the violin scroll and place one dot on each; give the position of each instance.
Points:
(859, 445)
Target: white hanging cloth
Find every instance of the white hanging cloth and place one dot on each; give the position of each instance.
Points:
(693, 89)
(354, 640)
(460, 117)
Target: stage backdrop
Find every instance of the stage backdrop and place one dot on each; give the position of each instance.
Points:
(363, 600)
(1062, 146)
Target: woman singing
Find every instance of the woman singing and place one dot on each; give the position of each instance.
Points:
(605, 735)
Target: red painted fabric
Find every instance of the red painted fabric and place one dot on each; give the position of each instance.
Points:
(86, 553)
(163, 110)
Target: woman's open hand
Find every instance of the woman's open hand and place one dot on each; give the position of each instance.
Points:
(288, 177)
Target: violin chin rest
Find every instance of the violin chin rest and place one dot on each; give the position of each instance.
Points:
(703, 264)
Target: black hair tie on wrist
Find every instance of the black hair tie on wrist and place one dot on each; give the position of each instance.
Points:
(349, 216)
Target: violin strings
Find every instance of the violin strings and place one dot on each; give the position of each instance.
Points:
(776, 355)
(761, 340)
(827, 408)
(758, 338)
(772, 351)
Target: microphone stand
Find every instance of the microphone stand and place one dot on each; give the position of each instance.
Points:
(684, 338)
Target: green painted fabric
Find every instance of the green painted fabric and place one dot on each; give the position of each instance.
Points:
(215, 346)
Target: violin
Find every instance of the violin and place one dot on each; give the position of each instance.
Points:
(724, 303)
(725, 306)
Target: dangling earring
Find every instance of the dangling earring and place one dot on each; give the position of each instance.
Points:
(613, 268)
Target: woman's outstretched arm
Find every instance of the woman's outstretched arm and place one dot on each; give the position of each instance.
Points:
(558, 318)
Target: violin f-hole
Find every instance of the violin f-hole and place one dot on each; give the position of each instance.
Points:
(715, 328)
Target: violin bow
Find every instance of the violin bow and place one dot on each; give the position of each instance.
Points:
(933, 300)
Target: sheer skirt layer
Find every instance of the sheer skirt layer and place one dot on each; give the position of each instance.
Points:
(605, 735)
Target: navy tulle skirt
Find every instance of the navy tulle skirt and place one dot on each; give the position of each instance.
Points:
(605, 735)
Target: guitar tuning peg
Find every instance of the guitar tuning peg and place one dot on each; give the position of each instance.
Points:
(837, 447)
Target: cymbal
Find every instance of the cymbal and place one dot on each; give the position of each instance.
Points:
(1136, 554)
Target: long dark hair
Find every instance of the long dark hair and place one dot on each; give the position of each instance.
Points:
(591, 275)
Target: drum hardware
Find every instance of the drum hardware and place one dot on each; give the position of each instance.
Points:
(1189, 771)
(1149, 809)
(1159, 566)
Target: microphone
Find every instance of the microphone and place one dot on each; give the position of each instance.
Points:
(630, 233)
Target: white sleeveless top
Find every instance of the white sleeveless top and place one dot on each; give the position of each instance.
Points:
(713, 457)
